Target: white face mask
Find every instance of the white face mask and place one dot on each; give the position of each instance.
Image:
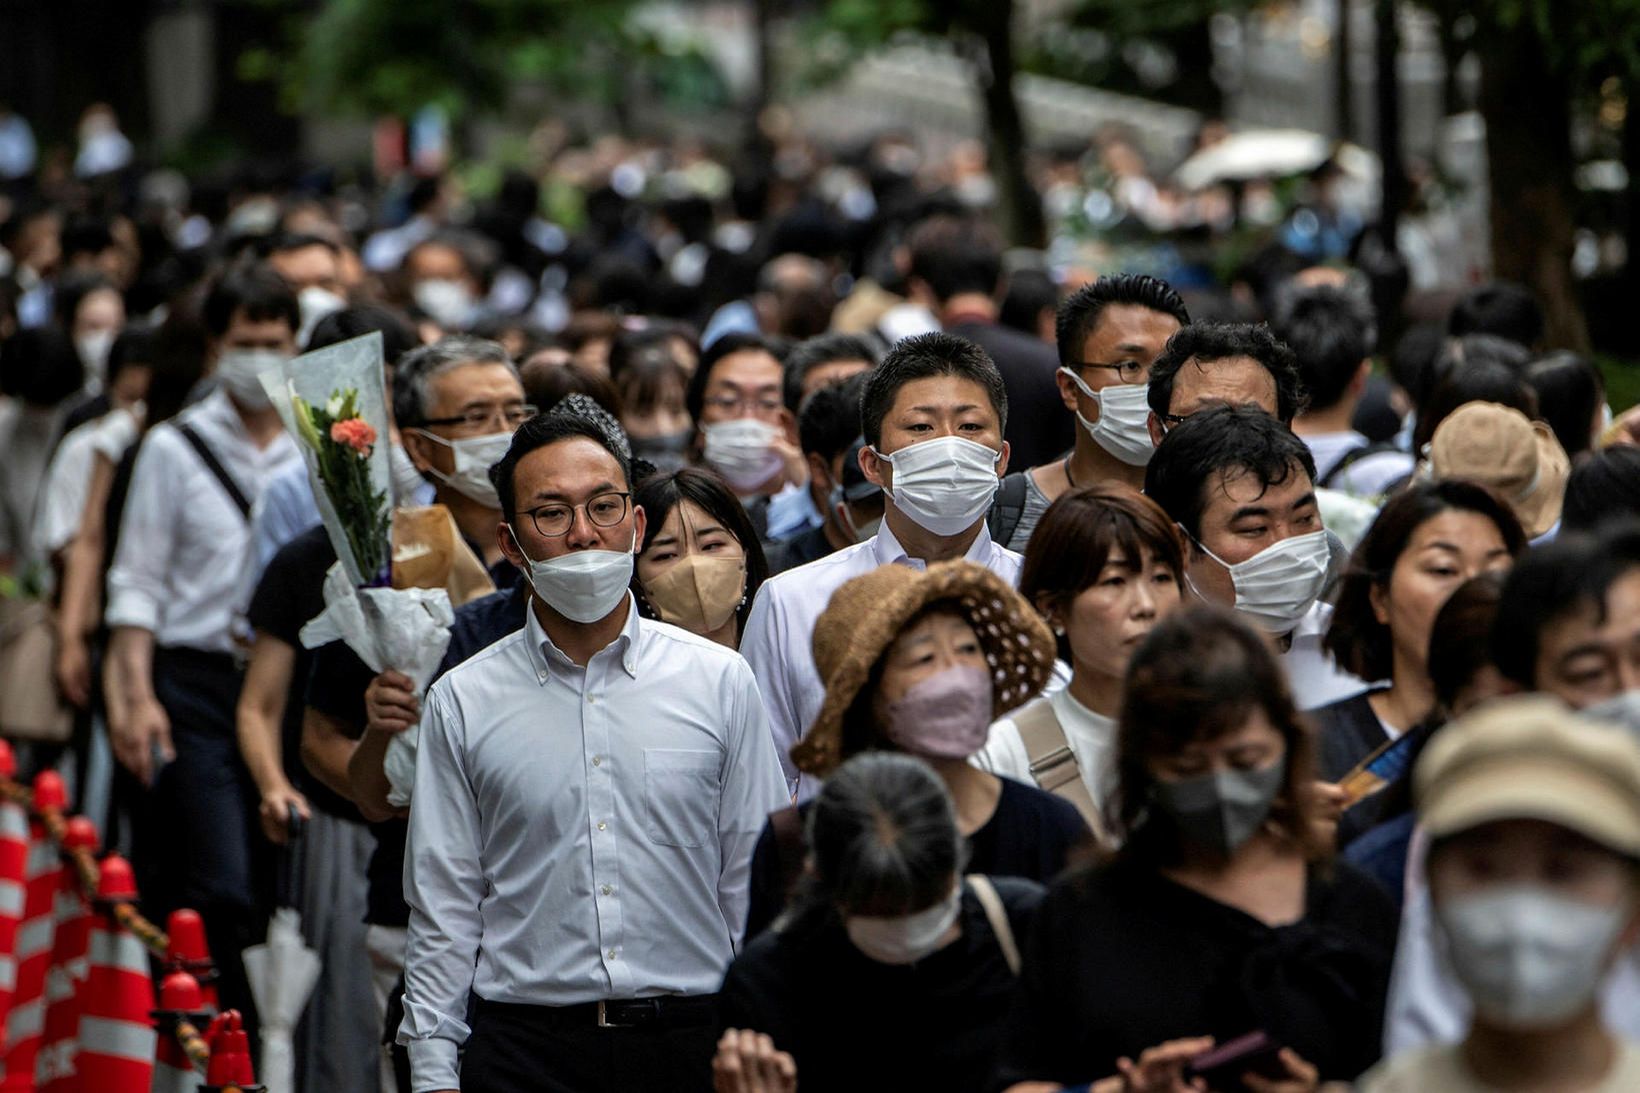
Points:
(316, 303)
(237, 371)
(945, 485)
(1123, 427)
(473, 457)
(904, 939)
(1527, 956)
(1277, 586)
(845, 520)
(584, 585)
(742, 451)
(448, 302)
(407, 478)
(93, 349)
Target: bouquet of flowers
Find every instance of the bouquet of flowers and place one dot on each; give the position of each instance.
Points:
(342, 443)
(334, 403)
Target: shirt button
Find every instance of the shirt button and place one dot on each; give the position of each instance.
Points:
(612, 954)
(600, 825)
(593, 699)
(597, 760)
(607, 889)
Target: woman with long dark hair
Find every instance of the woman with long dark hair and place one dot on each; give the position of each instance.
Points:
(1220, 916)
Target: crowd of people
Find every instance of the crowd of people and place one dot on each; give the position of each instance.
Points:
(866, 671)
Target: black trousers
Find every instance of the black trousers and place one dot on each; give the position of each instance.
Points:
(199, 845)
(512, 1051)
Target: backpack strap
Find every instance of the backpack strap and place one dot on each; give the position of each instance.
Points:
(1354, 456)
(1007, 509)
(218, 471)
(997, 915)
(1053, 764)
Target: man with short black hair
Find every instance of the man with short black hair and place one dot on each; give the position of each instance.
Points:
(956, 271)
(933, 414)
(1222, 364)
(1108, 334)
(1241, 487)
(1331, 332)
(587, 795)
(174, 662)
(823, 361)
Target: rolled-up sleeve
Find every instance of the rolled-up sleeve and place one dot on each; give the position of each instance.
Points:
(443, 884)
(137, 579)
(753, 787)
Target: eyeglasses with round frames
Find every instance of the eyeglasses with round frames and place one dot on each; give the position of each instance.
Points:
(511, 415)
(603, 511)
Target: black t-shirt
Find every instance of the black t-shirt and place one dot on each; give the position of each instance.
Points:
(1121, 959)
(290, 593)
(853, 1023)
(337, 687)
(1032, 834)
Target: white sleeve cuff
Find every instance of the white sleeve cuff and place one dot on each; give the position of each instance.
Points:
(433, 1065)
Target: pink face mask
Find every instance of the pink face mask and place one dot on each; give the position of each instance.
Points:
(945, 716)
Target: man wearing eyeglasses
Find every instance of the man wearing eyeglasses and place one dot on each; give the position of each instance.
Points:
(745, 432)
(1108, 334)
(588, 792)
(1223, 364)
(458, 403)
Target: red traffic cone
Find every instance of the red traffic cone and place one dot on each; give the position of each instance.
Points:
(13, 891)
(26, 1021)
(230, 1067)
(187, 951)
(116, 1036)
(54, 1069)
(180, 998)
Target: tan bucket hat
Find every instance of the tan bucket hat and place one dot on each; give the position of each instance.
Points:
(1500, 447)
(1532, 758)
(866, 614)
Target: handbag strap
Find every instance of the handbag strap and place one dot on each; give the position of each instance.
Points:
(218, 471)
(997, 915)
(1053, 764)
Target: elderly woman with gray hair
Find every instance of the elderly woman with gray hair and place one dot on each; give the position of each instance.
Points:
(890, 969)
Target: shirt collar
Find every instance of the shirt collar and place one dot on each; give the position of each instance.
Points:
(887, 550)
(547, 659)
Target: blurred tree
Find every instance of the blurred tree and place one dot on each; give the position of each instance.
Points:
(986, 33)
(982, 31)
(1540, 60)
(372, 57)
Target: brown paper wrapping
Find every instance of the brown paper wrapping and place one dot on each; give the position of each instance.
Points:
(429, 552)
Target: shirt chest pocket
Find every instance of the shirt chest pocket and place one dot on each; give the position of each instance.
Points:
(680, 791)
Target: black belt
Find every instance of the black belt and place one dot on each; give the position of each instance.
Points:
(665, 1011)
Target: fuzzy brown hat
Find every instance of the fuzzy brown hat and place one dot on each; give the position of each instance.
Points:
(866, 614)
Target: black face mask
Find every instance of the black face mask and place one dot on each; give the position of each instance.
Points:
(1219, 812)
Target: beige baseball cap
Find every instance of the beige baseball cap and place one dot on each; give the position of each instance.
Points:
(1531, 757)
(1500, 447)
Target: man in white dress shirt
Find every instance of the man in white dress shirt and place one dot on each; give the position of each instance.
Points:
(588, 793)
(933, 414)
(175, 657)
(1241, 486)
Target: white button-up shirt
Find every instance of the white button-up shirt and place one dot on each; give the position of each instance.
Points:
(779, 637)
(183, 544)
(579, 834)
(1315, 678)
